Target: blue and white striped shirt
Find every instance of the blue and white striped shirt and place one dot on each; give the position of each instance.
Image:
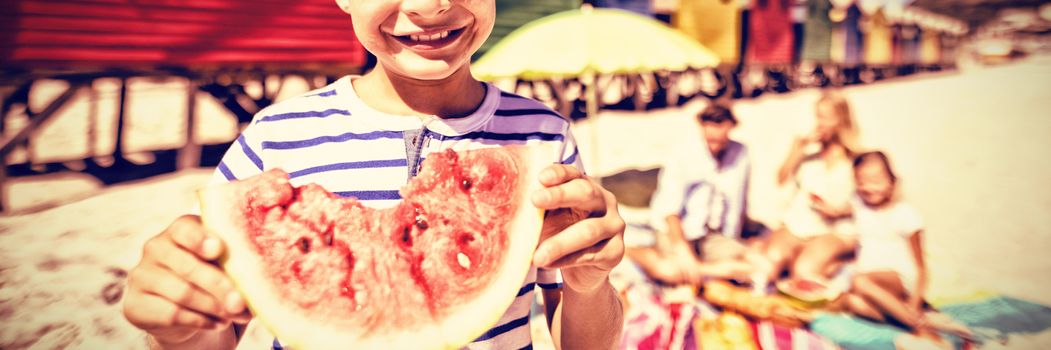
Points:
(332, 138)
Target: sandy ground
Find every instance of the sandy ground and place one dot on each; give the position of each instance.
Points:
(58, 267)
(971, 147)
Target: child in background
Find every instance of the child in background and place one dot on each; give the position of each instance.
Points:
(891, 275)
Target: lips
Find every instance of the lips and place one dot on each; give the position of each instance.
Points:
(431, 40)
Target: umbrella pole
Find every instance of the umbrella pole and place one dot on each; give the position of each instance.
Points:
(591, 106)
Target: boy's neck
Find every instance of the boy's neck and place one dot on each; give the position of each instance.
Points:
(456, 96)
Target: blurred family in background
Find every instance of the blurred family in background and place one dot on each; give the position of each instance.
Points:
(847, 242)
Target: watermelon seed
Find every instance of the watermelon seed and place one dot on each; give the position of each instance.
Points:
(421, 223)
(405, 237)
(465, 184)
(465, 238)
(359, 300)
(303, 244)
(464, 261)
(327, 237)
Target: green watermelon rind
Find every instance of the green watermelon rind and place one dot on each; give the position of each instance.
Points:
(807, 299)
(465, 322)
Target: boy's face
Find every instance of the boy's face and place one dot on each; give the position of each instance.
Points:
(421, 39)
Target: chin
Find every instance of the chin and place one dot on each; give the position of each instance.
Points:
(424, 69)
(876, 201)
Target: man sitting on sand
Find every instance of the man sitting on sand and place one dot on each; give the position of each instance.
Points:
(699, 209)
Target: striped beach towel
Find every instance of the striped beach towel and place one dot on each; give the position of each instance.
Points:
(770, 336)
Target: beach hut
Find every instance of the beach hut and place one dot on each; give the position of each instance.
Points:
(817, 32)
(716, 24)
(211, 48)
(770, 35)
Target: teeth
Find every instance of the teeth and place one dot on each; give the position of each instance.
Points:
(432, 37)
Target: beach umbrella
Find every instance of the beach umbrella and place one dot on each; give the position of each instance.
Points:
(589, 41)
(586, 42)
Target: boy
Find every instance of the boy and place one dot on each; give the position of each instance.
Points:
(364, 137)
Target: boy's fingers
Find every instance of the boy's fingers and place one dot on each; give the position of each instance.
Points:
(188, 233)
(242, 318)
(558, 174)
(578, 193)
(154, 312)
(596, 254)
(206, 276)
(165, 284)
(577, 237)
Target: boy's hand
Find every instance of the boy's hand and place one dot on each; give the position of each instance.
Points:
(176, 291)
(583, 232)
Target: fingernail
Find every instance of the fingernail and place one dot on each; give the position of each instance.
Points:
(210, 248)
(234, 303)
(541, 196)
(540, 258)
(548, 175)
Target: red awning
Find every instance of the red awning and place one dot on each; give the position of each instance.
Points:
(176, 33)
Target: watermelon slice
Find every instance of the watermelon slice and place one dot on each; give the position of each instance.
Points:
(807, 293)
(435, 271)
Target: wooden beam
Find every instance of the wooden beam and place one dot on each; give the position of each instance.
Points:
(122, 108)
(35, 121)
(8, 143)
(190, 153)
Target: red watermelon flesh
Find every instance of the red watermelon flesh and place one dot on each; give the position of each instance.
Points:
(439, 263)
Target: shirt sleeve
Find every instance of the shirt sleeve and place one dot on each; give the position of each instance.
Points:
(548, 278)
(244, 157)
(909, 220)
(571, 153)
(242, 160)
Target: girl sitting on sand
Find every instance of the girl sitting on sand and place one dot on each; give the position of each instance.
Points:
(891, 276)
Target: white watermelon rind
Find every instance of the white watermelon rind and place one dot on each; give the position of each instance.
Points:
(464, 323)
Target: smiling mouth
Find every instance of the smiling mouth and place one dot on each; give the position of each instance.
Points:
(429, 41)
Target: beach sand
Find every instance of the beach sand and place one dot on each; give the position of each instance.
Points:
(971, 148)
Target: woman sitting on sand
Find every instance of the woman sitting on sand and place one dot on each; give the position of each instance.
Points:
(817, 230)
(891, 275)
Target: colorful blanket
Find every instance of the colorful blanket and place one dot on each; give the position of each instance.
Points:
(991, 318)
(656, 319)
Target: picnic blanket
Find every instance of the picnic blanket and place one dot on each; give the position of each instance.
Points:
(658, 317)
(992, 318)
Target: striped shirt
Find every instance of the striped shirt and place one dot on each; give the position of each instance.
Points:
(332, 138)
